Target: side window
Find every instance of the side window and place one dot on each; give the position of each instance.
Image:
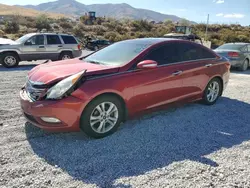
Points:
(189, 52)
(69, 39)
(106, 42)
(35, 40)
(53, 39)
(244, 49)
(165, 54)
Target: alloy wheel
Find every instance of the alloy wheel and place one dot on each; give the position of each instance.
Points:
(104, 117)
(10, 60)
(213, 91)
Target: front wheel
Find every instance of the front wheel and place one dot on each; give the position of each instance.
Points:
(102, 116)
(9, 60)
(212, 91)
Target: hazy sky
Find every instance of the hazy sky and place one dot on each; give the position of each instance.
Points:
(221, 11)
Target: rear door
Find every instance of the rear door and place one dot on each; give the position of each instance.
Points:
(159, 86)
(70, 43)
(198, 65)
(53, 46)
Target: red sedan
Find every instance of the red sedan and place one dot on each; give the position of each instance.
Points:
(96, 93)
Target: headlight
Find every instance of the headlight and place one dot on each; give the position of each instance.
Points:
(61, 88)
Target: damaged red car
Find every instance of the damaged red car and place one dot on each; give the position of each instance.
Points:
(97, 92)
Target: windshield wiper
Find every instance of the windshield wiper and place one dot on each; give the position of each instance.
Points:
(95, 62)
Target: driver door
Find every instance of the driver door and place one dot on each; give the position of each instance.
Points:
(34, 48)
(161, 85)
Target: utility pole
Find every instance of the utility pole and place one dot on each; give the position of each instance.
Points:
(207, 27)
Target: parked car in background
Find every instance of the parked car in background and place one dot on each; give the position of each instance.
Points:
(98, 92)
(97, 44)
(237, 53)
(39, 46)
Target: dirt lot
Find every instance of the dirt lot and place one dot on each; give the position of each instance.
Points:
(191, 146)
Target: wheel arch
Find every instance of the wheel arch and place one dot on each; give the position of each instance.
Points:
(121, 99)
(66, 51)
(11, 51)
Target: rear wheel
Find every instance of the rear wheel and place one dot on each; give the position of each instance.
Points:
(65, 55)
(9, 60)
(245, 65)
(102, 116)
(212, 91)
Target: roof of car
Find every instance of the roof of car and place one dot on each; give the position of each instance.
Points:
(243, 43)
(51, 34)
(150, 40)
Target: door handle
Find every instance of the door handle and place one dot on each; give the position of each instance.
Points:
(177, 73)
(60, 46)
(41, 47)
(209, 65)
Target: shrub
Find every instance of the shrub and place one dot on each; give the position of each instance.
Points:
(243, 38)
(11, 27)
(1, 33)
(43, 22)
(141, 25)
(66, 25)
(79, 31)
(112, 36)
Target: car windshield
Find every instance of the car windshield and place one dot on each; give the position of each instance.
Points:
(118, 53)
(230, 47)
(23, 38)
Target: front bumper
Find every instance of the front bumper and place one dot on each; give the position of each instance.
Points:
(67, 110)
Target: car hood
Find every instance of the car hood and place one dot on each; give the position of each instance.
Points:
(4, 41)
(52, 72)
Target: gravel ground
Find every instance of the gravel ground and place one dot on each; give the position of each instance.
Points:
(189, 146)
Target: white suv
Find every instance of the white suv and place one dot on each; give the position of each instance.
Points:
(39, 46)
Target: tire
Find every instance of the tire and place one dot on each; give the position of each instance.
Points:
(96, 48)
(207, 98)
(245, 65)
(9, 60)
(102, 121)
(65, 55)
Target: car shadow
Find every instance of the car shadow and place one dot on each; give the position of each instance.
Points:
(24, 67)
(150, 142)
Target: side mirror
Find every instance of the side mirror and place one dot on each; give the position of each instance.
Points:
(28, 43)
(147, 64)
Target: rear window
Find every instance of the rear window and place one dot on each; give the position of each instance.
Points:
(53, 39)
(231, 47)
(69, 39)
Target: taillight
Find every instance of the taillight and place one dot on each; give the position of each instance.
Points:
(233, 54)
(79, 47)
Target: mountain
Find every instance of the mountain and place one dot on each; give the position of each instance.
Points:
(118, 11)
(6, 10)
